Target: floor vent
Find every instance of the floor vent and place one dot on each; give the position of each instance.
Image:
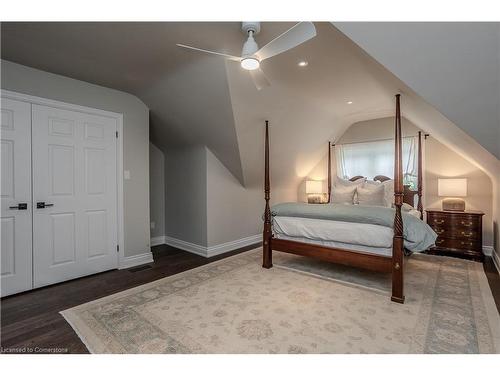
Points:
(140, 268)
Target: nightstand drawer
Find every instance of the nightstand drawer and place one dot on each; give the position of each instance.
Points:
(452, 243)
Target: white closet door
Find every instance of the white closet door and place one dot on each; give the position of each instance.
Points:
(16, 197)
(74, 194)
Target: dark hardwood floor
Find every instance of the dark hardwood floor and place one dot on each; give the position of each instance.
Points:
(493, 279)
(31, 321)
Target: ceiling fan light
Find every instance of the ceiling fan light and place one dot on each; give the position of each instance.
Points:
(250, 63)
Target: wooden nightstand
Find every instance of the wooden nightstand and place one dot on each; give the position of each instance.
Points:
(460, 233)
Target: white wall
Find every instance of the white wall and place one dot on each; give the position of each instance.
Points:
(461, 62)
(157, 191)
(439, 161)
(35, 82)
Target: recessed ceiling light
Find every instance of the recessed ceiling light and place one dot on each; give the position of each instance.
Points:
(303, 63)
(349, 102)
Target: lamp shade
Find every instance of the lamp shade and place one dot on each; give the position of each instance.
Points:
(452, 187)
(314, 187)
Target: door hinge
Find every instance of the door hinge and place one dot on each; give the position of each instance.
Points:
(117, 248)
(116, 134)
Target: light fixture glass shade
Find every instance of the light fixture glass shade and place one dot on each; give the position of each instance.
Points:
(250, 63)
(314, 187)
(452, 187)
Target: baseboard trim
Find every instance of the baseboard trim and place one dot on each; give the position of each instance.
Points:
(210, 251)
(496, 260)
(155, 241)
(186, 246)
(233, 245)
(136, 260)
(488, 250)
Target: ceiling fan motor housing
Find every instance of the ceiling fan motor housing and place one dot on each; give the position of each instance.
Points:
(250, 26)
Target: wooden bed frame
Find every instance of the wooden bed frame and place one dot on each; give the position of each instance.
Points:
(393, 264)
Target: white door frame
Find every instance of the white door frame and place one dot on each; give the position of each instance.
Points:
(119, 150)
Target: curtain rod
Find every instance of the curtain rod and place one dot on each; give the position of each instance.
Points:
(376, 140)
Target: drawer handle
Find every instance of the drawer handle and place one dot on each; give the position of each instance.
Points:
(470, 234)
(467, 243)
(439, 241)
(469, 224)
(439, 231)
(439, 221)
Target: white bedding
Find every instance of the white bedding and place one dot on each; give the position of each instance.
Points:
(353, 236)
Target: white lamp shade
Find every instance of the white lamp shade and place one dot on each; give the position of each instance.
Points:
(314, 187)
(452, 187)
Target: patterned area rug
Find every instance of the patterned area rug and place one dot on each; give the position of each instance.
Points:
(299, 306)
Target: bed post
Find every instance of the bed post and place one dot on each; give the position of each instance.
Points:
(397, 243)
(329, 174)
(267, 258)
(420, 206)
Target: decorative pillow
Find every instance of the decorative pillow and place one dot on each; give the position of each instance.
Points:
(371, 196)
(343, 194)
(388, 192)
(407, 207)
(342, 182)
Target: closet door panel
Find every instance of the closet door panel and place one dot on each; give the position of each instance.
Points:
(74, 182)
(16, 224)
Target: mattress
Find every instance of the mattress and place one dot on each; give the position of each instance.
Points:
(370, 238)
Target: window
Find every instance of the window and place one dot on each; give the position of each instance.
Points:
(374, 158)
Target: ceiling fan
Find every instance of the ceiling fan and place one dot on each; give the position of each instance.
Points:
(252, 56)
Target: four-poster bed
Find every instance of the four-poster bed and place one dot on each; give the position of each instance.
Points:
(391, 261)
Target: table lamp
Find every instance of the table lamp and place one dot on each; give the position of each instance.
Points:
(452, 188)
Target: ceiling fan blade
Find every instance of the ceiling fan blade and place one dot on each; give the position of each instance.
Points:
(298, 34)
(230, 57)
(259, 79)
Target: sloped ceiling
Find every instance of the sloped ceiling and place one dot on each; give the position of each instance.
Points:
(199, 99)
(454, 66)
(187, 92)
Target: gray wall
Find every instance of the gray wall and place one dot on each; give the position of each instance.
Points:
(233, 211)
(157, 190)
(186, 194)
(35, 82)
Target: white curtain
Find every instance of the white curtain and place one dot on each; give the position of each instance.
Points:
(374, 158)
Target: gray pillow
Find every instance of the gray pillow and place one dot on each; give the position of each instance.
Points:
(371, 196)
(343, 194)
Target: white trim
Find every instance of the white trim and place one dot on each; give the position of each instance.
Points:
(488, 250)
(233, 245)
(210, 251)
(136, 260)
(155, 241)
(496, 260)
(187, 246)
(119, 151)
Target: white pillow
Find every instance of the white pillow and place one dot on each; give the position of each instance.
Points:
(342, 182)
(371, 196)
(343, 194)
(407, 207)
(388, 192)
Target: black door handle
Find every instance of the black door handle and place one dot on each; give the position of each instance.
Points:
(20, 206)
(43, 205)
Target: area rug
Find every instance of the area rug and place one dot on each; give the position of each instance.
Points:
(299, 306)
